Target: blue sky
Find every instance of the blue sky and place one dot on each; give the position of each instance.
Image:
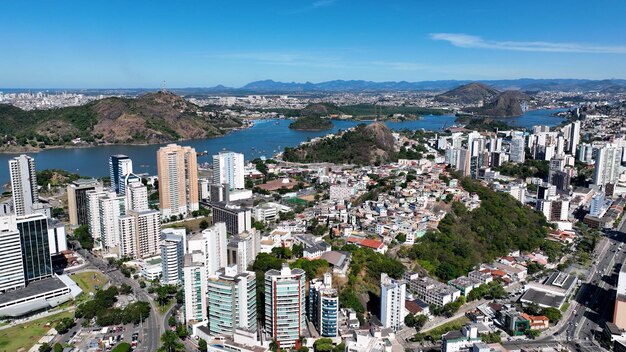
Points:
(98, 44)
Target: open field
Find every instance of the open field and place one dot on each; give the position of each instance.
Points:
(88, 280)
(26, 335)
(192, 225)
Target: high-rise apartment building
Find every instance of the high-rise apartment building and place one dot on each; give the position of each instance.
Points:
(228, 167)
(517, 150)
(323, 306)
(195, 288)
(238, 219)
(607, 166)
(77, 203)
(23, 184)
(137, 197)
(139, 233)
(33, 231)
(232, 301)
(212, 242)
(243, 249)
(173, 247)
(104, 212)
(284, 305)
(121, 173)
(392, 298)
(177, 168)
(12, 274)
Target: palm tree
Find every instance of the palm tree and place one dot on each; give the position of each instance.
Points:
(274, 346)
(170, 343)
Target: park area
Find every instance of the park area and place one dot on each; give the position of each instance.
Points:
(24, 336)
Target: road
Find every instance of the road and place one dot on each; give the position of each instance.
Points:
(593, 304)
(151, 328)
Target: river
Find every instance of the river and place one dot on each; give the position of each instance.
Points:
(266, 137)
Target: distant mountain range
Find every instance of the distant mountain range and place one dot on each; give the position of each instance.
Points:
(526, 84)
(273, 87)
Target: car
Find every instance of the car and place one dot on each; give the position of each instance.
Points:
(576, 324)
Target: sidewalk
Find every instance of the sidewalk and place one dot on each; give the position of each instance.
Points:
(36, 317)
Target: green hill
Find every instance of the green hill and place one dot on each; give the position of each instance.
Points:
(365, 145)
(151, 118)
(311, 124)
(465, 239)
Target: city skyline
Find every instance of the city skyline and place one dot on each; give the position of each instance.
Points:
(203, 45)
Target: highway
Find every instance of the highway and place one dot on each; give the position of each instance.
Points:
(593, 304)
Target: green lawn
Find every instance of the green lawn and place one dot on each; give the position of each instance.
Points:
(455, 324)
(26, 335)
(192, 224)
(88, 280)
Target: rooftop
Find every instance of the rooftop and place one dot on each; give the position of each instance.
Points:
(32, 289)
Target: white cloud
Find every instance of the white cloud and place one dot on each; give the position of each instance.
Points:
(471, 41)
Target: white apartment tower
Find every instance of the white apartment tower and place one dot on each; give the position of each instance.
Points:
(137, 197)
(173, 247)
(517, 151)
(195, 288)
(212, 243)
(607, 166)
(392, 298)
(105, 210)
(12, 274)
(228, 167)
(23, 184)
(140, 233)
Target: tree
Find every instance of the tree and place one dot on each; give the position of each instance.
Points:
(532, 334)
(82, 235)
(57, 347)
(171, 321)
(170, 342)
(122, 347)
(323, 345)
(202, 346)
(64, 325)
(45, 347)
(203, 225)
(182, 332)
(553, 314)
(492, 337)
(273, 346)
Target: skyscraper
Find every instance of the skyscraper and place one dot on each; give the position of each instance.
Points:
(77, 203)
(104, 212)
(243, 249)
(33, 231)
(212, 242)
(323, 306)
(137, 196)
(574, 137)
(178, 180)
(11, 262)
(284, 305)
(517, 151)
(121, 173)
(139, 233)
(392, 298)
(195, 288)
(172, 255)
(232, 301)
(228, 168)
(23, 184)
(607, 166)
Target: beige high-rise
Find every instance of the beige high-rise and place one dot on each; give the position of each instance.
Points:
(177, 167)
